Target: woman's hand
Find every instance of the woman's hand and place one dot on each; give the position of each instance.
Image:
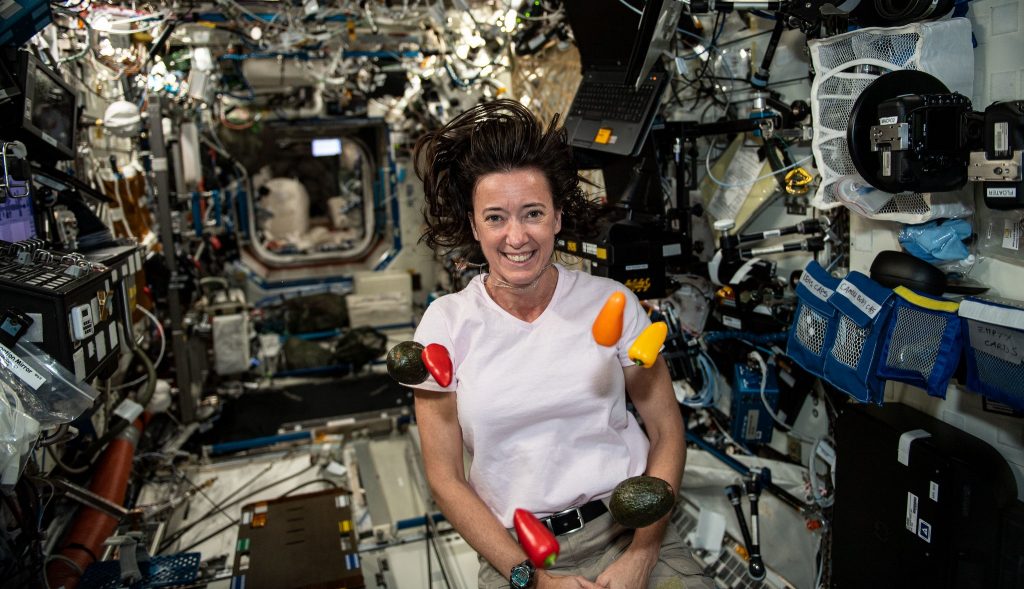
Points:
(546, 580)
(629, 571)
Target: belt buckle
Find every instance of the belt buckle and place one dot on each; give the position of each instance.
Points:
(579, 519)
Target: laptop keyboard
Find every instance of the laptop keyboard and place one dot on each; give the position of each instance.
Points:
(621, 102)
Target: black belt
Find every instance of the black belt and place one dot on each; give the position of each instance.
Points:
(572, 520)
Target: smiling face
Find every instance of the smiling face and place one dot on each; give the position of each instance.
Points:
(515, 221)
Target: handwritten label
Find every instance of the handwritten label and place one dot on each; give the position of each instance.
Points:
(1005, 344)
(817, 289)
(888, 120)
(866, 304)
(23, 371)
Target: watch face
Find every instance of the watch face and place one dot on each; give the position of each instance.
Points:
(520, 577)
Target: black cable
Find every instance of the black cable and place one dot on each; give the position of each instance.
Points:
(308, 483)
(430, 580)
(431, 539)
(235, 522)
(182, 531)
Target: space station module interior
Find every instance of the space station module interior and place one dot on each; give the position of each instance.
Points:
(213, 267)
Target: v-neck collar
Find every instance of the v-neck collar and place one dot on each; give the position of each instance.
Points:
(560, 280)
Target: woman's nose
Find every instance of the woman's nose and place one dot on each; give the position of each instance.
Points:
(516, 236)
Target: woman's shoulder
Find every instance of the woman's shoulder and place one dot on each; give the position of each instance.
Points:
(451, 303)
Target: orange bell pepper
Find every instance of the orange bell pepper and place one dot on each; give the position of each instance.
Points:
(645, 348)
(607, 328)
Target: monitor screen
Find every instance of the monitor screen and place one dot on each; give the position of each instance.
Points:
(52, 110)
(603, 30)
(17, 220)
(654, 36)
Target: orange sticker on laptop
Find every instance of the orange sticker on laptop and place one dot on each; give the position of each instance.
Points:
(603, 135)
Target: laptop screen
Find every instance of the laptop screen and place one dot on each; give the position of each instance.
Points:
(604, 30)
(17, 220)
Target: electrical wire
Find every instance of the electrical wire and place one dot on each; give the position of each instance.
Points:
(236, 521)
(333, 485)
(763, 366)
(160, 354)
(224, 503)
(724, 184)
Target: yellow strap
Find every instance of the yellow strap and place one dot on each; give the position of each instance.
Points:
(927, 303)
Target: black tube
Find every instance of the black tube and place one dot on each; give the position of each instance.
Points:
(756, 565)
(760, 78)
(734, 492)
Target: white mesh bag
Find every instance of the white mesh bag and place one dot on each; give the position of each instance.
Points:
(942, 49)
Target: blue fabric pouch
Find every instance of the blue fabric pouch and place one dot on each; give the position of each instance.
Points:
(814, 320)
(863, 308)
(923, 342)
(994, 336)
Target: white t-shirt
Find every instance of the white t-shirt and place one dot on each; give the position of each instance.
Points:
(542, 406)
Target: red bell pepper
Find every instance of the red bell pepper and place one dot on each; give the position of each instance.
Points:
(536, 539)
(438, 362)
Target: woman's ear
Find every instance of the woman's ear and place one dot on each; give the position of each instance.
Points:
(472, 226)
(558, 220)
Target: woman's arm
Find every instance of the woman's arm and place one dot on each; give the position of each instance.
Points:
(650, 389)
(441, 443)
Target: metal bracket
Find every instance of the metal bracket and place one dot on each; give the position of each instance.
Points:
(896, 137)
(982, 169)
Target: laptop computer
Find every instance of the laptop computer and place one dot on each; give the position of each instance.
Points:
(609, 114)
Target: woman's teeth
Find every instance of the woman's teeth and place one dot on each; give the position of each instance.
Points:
(519, 257)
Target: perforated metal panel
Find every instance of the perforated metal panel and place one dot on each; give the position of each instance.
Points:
(164, 571)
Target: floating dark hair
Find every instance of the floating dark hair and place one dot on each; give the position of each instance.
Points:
(498, 136)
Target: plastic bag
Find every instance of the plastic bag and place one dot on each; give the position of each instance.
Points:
(18, 433)
(935, 241)
(1001, 235)
(49, 392)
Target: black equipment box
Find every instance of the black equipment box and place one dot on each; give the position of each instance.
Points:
(303, 541)
(75, 301)
(919, 503)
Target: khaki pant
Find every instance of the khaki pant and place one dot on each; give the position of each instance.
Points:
(591, 550)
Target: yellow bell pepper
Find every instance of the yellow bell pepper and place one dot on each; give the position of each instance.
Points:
(644, 351)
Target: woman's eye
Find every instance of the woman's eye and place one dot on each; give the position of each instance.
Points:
(492, 218)
(535, 214)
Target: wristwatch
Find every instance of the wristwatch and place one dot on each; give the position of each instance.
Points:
(522, 575)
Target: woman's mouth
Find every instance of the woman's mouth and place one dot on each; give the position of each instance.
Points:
(518, 258)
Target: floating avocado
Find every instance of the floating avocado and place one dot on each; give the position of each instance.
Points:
(640, 501)
(405, 363)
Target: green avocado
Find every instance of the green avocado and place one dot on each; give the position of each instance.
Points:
(405, 363)
(640, 501)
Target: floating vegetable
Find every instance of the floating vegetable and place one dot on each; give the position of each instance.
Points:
(645, 348)
(607, 327)
(438, 362)
(536, 539)
(640, 501)
(405, 363)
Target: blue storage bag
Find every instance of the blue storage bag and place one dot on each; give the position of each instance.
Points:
(814, 320)
(851, 364)
(994, 340)
(923, 342)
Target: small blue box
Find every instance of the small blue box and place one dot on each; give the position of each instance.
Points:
(751, 422)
